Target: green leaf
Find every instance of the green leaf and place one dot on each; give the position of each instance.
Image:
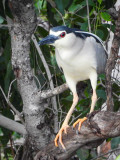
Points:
(105, 16)
(7, 50)
(84, 102)
(60, 6)
(90, 3)
(104, 32)
(38, 4)
(102, 76)
(53, 60)
(8, 76)
(115, 142)
(63, 78)
(1, 19)
(84, 26)
(83, 154)
(101, 94)
(99, 1)
(69, 98)
(100, 33)
(74, 7)
(108, 139)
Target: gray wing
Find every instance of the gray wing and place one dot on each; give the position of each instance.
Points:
(101, 53)
(101, 57)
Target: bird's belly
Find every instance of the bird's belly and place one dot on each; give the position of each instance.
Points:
(77, 74)
(77, 67)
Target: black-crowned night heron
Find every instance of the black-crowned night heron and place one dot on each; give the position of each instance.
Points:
(82, 56)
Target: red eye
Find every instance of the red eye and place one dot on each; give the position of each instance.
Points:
(62, 34)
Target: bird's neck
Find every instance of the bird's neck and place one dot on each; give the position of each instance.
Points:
(69, 52)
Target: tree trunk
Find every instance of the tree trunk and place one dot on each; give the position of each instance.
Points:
(38, 132)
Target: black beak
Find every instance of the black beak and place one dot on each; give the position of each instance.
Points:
(48, 40)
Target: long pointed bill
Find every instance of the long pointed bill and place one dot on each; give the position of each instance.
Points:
(48, 40)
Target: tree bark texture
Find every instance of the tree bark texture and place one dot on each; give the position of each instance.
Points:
(98, 127)
(112, 60)
(23, 27)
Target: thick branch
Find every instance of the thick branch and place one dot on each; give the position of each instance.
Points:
(49, 93)
(98, 127)
(111, 63)
(12, 125)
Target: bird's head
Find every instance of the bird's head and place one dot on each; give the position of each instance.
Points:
(60, 36)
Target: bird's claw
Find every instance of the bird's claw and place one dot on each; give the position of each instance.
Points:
(80, 121)
(59, 136)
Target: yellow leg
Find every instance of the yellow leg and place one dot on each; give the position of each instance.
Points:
(94, 99)
(65, 123)
(80, 121)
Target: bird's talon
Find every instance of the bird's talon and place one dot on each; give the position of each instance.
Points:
(59, 136)
(80, 121)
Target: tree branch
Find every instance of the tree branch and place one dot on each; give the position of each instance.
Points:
(99, 126)
(88, 16)
(49, 93)
(111, 63)
(113, 13)
(12, 125)
(111, 151)
(11, 106)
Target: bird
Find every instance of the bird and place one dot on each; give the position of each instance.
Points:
(82, 56)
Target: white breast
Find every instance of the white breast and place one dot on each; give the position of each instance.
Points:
(76, 62)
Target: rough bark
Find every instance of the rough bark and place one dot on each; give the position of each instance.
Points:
(24, 24)
(112, 59)
(98, 127)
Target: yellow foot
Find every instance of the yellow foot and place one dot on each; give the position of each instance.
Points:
(59, 136)
(80, 121)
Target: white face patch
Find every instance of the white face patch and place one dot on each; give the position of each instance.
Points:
(65, 41)
(56, 33)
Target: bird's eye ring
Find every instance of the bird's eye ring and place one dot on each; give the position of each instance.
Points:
(62, 34)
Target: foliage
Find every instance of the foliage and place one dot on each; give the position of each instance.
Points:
(72, 13)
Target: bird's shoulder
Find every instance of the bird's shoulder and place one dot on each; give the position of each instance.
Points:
(83, 34)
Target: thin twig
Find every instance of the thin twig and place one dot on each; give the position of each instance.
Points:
(75, 118)
(17, 152)
(101, 83)
(54, 103)
(88, 16)
(11, 106)
(106, 153)
(38, 81)
(61, 16)
(10, 88)
(52, 3)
